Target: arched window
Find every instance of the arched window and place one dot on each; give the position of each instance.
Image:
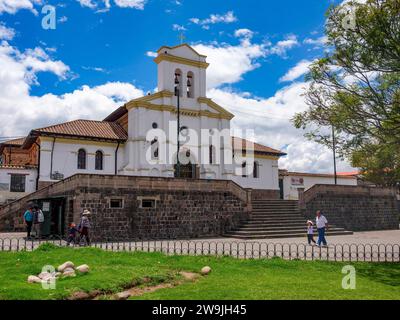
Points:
(190, 85)
(154, 149)
(212, 155)
(244, 169)
(99, 160)
(81, 159)
(256, 170)
(178, 82)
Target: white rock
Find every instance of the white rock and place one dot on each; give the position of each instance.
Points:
(58, 274)
(69, 270)
(34, 279)
(83, 268)
(44, 275)
(69, 274)
(205, 271)
(65, 265)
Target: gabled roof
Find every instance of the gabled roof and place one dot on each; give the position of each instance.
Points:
(258, 148)
(12, 143)
(83, 129)
(179, 46)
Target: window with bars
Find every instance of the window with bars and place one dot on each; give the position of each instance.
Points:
(17, 183)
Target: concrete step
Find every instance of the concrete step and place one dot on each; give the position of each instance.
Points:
(286, 217)
(275, 213)
(277, 231)
(281, 235)
(274, 227)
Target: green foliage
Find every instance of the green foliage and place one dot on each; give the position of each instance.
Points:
(47, 247)
(356, 88)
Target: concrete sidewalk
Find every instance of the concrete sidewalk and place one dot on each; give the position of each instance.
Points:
(371, 237)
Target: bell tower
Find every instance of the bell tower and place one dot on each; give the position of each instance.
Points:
(183, 65)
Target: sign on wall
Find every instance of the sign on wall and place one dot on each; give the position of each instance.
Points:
(296, 181)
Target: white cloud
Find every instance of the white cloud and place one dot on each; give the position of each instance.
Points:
(20, 111)
(319, 41)
(136, 4)
(62, 19)
(244, 33)
(281, 47)
(228, 63)
(106, 4)
(228, 17)
(270, 118)
(151, 54)
(297, 71)
(6, 33)
(12, 6)
(177, 27)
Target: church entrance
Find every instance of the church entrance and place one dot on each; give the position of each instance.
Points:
(187, 171)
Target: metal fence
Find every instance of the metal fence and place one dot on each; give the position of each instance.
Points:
(236, 249)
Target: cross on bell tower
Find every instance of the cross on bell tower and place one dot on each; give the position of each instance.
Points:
(181, 37)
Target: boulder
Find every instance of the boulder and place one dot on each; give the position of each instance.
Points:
(44, 275)
(205, 271)
(69, 274)
(65, 265)
(69, 270)
(34, 279)
(83, 268)
(123, 295)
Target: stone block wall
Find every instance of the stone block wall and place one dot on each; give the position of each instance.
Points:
(258, 194)
(184, 208)
(354, 208)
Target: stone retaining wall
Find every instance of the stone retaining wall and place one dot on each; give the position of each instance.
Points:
(184, 208)
(354, 208)
(258, 194)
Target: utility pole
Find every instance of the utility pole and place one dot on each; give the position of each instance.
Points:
(334, 153)
(177, 93)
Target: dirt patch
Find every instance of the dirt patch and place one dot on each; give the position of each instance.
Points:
(135, 290)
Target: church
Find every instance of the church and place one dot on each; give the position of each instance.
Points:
(140, 138)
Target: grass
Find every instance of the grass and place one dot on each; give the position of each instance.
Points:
(230, 279)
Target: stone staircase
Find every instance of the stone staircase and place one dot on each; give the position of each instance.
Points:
(277, 219)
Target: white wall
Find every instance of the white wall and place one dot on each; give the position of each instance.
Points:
(268, 176)
(5, 181)
(290, 191)
(65, 157)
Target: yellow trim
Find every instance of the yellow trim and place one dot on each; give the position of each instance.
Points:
(158, 95)
(80, 141)
(262, 156)
(216, 107)
(186, 112)
(170, 58)
(179, 46)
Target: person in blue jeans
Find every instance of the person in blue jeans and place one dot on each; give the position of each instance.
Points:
(28, 218)
(322, 226)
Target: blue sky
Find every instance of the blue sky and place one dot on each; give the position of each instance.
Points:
(99, 55)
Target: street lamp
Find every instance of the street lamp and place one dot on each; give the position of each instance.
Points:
(177, 93)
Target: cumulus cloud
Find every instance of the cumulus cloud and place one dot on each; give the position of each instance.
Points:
(6, 33)
(281, 47)
(228, 62)
(228, 17)
(12, 6)
(21, 111)
(297, 71)
(270, 118)
(105, 5)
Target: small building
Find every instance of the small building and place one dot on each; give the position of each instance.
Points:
(290, 182)
(18, 171)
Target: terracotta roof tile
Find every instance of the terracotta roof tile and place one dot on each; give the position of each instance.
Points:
(86, 129)
(14, 142)
(258, 148)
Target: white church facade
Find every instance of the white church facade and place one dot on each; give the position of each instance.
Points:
(140, 138)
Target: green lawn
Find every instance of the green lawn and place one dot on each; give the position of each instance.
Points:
(230, 278)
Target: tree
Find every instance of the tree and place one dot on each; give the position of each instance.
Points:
(355, 88)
